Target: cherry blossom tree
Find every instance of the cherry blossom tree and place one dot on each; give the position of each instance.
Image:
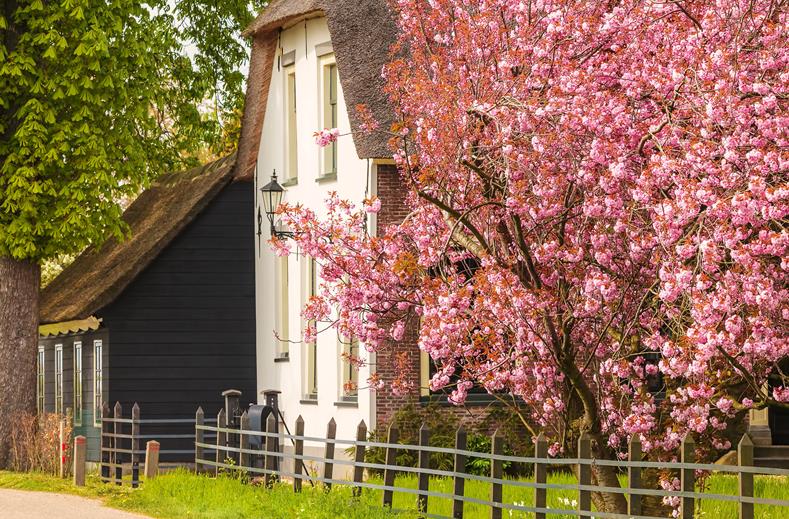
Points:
(599, 202)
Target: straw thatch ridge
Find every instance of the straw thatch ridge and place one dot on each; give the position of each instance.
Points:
(362, 33)
(155, 218)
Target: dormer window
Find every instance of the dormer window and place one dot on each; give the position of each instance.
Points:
(291, 131)
(330, 96)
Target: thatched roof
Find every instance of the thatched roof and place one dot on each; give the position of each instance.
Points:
(362, 33)
(155, 218)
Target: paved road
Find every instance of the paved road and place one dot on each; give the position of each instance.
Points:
(19, 504)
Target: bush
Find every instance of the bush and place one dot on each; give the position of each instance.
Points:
(443, 427)
(35, 443)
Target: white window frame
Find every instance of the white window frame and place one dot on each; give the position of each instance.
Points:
(77, 374)
(98, 381)
(329, 111)
(310, 349)
(59, 379)
(348, 372)
(290, 87)
(283, 307)
(41, 380)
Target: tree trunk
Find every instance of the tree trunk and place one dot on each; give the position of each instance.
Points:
(19, 284)
(605, 476)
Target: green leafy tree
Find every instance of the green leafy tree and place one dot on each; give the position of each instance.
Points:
(96, 99)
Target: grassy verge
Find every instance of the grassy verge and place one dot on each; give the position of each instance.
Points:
(182, 494)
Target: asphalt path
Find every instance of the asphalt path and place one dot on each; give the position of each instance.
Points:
(20, 504)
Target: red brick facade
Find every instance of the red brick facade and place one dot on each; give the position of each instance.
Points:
(393, 211)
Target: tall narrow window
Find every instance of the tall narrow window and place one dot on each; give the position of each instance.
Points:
(330, 115)
(98, 382)
(292, 172)
(59, 379)
(311, 278)
(349, 373)
(77, 383)
(40, 380)
(283, 315)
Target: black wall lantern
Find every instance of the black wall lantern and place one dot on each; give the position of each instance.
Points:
(272, 197)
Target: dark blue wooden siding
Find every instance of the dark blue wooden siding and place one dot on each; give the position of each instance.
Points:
(184, 330)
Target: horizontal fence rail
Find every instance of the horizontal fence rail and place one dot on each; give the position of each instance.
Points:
(233, 451)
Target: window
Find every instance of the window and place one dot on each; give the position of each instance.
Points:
(98, 382)
(292, 169)
(77, 383)
(330, 114)
(349, 373)
(59, 379)
(40, 380)
(283, 315)
(311, 282)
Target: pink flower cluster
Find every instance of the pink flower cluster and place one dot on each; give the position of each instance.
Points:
(598, 199)
(326, 136)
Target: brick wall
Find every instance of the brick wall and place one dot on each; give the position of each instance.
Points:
(393, 211)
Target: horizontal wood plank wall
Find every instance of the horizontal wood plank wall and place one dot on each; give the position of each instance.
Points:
(184, 330)
(87, 429)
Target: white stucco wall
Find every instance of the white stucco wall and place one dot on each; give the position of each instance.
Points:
(351, 183)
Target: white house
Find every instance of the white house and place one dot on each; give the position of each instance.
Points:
(312, 63)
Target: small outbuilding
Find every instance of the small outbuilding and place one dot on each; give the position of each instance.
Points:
(164, 318)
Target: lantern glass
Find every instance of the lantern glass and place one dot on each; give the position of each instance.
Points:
(272, 196)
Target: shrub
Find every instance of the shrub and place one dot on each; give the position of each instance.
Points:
(35, 442)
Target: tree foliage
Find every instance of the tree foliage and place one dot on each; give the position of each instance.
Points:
(599, 201)
(97, 98)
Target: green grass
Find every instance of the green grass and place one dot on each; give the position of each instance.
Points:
(182, 494)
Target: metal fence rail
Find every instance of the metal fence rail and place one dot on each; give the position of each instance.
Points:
(234, 449)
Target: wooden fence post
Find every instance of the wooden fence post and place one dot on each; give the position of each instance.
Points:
(584, 474)
(460, 467)
(424, 463)
(745, 459)
(540, 474)
(634, 476)
(687, 477)
(151, 459)
(80, 455)
(496, 472)
(271, 450)
(358, 458)
(328, 466)
(220, 439)
(117, 428)
(199, 438)
(391, 461)
(298, 449)
(106, 458)
(243, 442)
(135, 445)
(62, 445)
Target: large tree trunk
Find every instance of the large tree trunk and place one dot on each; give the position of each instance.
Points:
(19, 284)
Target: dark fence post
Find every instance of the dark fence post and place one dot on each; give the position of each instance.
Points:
(358, 458)
(328, 466)
(243, 442)
(135, 445)
(199, 438)
(106, 458)
(220, 439)
(496, 472)
(424, 463)
(687, 476)
(540, 474)
(745, 459)
(460, 468)
(117, 414)
(271, 450)
(298, 450)
(584, 474)
(391, 461)
(634, 476)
